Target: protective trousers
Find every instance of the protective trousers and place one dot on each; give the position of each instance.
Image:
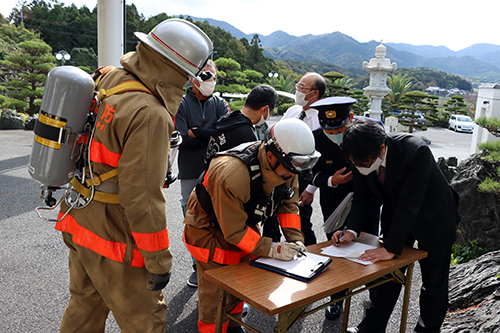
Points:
(208, 293)
(99, 285)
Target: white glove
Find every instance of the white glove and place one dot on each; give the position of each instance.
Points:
(283, 251)
(301, 246)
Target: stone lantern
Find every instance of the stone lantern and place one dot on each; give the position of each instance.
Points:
(378, 67)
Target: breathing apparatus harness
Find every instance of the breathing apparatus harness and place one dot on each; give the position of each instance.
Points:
(260, 207)
(83, 189)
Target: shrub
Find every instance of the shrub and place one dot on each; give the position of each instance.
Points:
(464, 253)
(283, 107)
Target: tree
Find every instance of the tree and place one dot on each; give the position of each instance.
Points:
(363, 102)
(11, 35)
(255, 55)
(283, 82)
(228, 69)
(456, 105)
(334, 85)
(63, 28)
(231, 76)
(399, 85)
(81, 56)
(252, 77)
(31, 66)
(413, 105)
(464, 85)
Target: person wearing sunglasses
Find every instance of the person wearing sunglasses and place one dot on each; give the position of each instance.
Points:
(198, 112)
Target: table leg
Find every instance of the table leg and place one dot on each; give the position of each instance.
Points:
(288, 318)
(219, 321)
(406, 298)
(347, 308)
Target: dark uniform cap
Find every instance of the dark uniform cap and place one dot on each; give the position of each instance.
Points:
(333, 112)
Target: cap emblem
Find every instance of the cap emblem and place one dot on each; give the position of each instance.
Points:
(331, 114)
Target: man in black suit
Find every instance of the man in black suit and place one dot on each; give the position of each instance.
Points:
(418, 205)
(331, 174)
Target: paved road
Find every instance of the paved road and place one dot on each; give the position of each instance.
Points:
(447, 143)
(33, 268)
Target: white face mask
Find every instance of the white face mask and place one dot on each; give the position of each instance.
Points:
(207, 88)
(336, 138)
(262, 119)
(366, 171)
(300, 98)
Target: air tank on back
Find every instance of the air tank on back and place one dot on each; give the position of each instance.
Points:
(63, 113)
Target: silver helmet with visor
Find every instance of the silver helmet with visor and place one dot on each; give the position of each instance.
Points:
(292, 143)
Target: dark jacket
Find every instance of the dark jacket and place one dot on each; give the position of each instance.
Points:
(231, 130)
(193, 113)
(419, 204)
(331, 161)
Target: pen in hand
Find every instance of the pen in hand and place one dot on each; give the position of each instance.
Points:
(341, 234)
(301, 252)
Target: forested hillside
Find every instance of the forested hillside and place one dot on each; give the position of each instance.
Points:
(74, 30)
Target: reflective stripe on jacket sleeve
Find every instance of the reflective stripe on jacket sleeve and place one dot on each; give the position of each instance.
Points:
(289, 221)
(249, 240)
(220, 256)
(152, 242)
(100, 154)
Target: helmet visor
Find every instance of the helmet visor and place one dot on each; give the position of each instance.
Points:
(304, 162)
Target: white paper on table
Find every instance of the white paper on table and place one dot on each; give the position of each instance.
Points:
(350, 251)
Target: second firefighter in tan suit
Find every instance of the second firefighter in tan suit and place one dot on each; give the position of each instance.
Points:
(219, 231)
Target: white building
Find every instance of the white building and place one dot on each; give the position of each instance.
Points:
(488, 104)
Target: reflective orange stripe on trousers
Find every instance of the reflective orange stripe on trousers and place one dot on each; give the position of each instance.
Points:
(86, 238)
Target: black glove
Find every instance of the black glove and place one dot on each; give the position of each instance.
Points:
(158, 281)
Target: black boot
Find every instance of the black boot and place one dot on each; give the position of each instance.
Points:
(333, 311)
(193, 279)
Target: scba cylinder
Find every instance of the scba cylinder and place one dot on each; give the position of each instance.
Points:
(66, 101)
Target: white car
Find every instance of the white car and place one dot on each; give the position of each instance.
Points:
(461, 123)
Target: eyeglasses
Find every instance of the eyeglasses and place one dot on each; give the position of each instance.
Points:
(364, 166)
(300, 87)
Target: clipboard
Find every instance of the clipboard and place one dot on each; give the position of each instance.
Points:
(303, 268)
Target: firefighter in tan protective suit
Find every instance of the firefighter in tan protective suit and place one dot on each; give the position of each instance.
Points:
(120, 258)
(224, 210)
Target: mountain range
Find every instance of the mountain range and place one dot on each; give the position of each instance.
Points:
(478, 61)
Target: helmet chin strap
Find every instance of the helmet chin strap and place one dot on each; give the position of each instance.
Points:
(275, 166)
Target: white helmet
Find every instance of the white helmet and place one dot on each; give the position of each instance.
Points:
(292, 143)
(182, 42)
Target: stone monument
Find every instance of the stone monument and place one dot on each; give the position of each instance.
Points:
(378, 67)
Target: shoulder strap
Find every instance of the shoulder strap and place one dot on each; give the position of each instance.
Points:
(130, 85)
(256, 206)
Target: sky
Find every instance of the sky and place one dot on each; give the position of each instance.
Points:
(454, 24)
